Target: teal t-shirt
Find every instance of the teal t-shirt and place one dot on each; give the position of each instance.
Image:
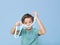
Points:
(29, 37)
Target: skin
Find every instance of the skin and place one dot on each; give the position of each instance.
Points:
(28, 21)
(42, 29)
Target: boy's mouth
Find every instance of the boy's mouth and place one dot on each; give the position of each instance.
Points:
(29, 28)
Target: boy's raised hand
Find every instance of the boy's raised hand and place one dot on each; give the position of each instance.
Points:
(18, 23)
(35, 13)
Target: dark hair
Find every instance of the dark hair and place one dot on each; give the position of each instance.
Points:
(27, 16)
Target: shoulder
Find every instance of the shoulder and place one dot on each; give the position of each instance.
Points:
(35, 30)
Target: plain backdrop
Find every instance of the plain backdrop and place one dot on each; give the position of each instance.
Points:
(12, 11)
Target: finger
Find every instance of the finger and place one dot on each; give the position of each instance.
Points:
(35, 13)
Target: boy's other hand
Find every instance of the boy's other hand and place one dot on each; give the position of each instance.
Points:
(18, 23)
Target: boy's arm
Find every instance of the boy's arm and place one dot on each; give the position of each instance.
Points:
(14, 28)
(42, 28)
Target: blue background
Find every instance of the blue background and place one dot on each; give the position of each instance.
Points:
(48, 12)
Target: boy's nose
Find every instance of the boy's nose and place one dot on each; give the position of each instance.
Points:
(28, 24)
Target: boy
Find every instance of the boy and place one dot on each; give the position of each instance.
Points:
(29, 35)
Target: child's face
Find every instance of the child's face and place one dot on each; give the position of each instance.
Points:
(28, 21)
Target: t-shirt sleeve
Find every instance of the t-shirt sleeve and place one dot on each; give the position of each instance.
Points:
(36, 32)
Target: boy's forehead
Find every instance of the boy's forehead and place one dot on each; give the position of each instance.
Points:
(28, 19)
